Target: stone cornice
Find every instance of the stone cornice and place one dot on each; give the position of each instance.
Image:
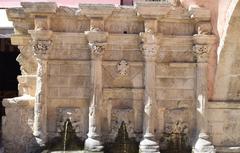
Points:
(96, 10)
(16, 13)
(39, 7)
(152, 10)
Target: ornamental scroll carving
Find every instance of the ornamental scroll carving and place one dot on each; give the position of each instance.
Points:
(40, 47)
(201, 52)
(97, 49)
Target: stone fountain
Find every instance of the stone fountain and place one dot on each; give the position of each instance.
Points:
(92, 72)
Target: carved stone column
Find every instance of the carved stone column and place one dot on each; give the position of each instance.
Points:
(96, 43)
(149, 48)
(201, 52)
(40, 47)
(41, 43)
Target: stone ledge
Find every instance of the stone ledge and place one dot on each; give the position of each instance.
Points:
(223, 105)
(23, 101)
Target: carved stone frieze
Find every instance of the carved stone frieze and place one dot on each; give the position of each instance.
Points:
(122, 67)
(40, 47)
(201, 52)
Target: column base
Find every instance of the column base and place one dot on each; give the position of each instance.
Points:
(203, 145)
(40, 139)
(148, 146)
(93, 145)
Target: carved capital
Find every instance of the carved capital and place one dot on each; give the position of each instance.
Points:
(201, 53)
(97, 49)
(40, 47)
(149, 51)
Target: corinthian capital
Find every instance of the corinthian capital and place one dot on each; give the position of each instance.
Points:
(149, 51)
(201, 53)
(40, 47)
(97, 49)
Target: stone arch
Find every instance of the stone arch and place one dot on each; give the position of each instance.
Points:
(227, 80)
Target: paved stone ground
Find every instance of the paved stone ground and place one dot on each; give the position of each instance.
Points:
(1, 150)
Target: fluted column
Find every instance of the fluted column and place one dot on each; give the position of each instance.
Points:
(96, 44)
(149, 48)
(201, 52)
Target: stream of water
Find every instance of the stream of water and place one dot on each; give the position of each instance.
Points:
(65, 136)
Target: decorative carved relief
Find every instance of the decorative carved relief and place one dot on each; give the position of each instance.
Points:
(75, 115)
(40, 47)
(201, 52)
(122, 67)
(97, 49)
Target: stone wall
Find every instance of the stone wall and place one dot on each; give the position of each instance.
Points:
(223, 125)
